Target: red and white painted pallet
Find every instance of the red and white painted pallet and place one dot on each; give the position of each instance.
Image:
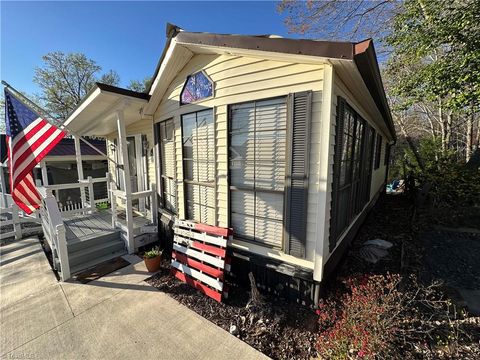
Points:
(199, 256)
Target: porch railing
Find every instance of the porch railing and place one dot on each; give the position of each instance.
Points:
(13, 215)
(54, 232)
(85, 200)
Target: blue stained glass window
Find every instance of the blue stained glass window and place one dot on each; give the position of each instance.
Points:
(197, 87)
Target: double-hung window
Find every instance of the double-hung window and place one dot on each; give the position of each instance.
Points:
(257, 153)
(198, 139)
(167, 165)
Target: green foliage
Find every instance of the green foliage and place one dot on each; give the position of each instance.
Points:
(452, 184)
(140, 85)
(64, 80)
(436, 53)
(150, 254)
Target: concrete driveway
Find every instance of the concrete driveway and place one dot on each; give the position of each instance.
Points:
(118, 316)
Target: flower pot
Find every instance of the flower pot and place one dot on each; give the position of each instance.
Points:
(152, 264)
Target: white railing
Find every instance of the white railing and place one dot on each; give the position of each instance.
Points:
(127, 199)
(54, 232)
(87, 201)
(12, 215)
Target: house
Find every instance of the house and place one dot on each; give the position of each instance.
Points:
(59, 167)
(285, 141)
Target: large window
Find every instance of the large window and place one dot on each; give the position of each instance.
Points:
(167, 165)
(352, 169)
(257, 152)
(198, 135)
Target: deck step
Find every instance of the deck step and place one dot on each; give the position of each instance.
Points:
(92, 240)
(92, 252)
(96, 261)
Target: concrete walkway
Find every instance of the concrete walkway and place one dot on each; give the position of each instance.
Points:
(118, 316)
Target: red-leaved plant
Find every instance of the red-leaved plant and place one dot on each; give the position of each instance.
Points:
(361, 322)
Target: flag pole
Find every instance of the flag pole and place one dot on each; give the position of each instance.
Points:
(35, 107)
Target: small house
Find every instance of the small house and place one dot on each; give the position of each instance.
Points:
(286, 141)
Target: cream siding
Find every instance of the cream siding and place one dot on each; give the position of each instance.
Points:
(240, 79)
(378, 175)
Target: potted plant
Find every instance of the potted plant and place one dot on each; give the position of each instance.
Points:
(152, 259)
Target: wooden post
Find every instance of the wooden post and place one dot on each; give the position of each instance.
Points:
(63, 252)
(123, 153)
(17, 226)
(78, 156)
(3, 188)
(91, 195)
(153, 204)
(43, 167)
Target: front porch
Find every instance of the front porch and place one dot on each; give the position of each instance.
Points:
(94, 220)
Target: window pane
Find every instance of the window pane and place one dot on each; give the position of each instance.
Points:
(242, 174)
(198, 134)
(269, 231)
(243, 202)
(270, 175)
(197, 87)
(244, 225)
(271, 115)
(257, 162)
(242, 146)
(269, 205)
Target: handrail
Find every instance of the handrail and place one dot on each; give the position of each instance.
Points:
(54, 231)
(141, 194)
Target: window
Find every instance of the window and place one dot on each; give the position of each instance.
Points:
(378, 151)
(197, 87)
(198, 135)
(352, 169)
(387, 154)
(257, 152)
(167, 165)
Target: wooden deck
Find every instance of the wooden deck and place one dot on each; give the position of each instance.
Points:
(85, 225)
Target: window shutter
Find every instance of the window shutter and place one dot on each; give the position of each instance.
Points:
(297, 173)
(339, 129)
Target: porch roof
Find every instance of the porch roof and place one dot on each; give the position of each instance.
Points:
(95, 115)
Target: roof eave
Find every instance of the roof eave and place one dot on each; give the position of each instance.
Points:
(365, 59)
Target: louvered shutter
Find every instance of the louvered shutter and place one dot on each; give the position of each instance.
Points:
(297, 174)
(337, 161)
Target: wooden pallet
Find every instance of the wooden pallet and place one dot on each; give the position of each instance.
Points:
(199, 257)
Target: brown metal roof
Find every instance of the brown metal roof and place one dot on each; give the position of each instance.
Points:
(362, 53)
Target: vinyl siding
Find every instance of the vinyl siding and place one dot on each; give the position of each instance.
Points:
(378, 175)
(240, 79)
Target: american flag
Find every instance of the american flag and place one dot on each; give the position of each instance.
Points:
(29, 139)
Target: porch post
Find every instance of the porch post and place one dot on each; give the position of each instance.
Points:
(43, 167)
(123, 152)
(78, 156)
(4, 187)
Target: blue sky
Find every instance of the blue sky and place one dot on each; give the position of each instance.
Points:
(127, 37)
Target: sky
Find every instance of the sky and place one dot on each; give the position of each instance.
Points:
(127, 37)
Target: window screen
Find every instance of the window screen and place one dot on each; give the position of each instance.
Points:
(257, 169)
(352, 169)
(378, 151)
(167, 165)
(198, 136)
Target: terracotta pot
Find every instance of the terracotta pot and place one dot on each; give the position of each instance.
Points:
(152, 264)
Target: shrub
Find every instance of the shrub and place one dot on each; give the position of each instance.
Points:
(361, 322)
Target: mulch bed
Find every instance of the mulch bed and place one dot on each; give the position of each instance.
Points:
(280, 330)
